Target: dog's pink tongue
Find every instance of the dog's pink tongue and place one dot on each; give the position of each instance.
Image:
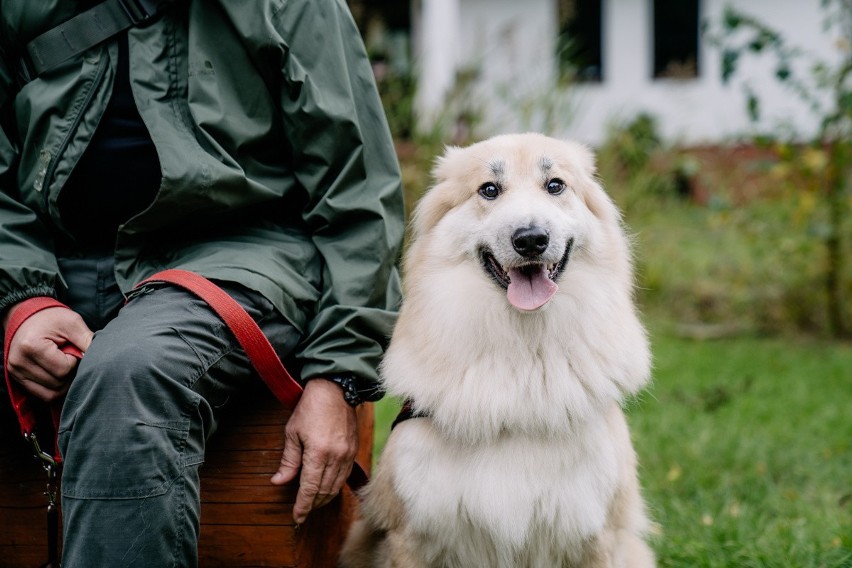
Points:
(530, 291)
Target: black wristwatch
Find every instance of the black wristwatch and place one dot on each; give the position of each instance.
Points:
(349, 383)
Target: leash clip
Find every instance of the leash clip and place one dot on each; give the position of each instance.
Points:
(51, 466)
(48, 462)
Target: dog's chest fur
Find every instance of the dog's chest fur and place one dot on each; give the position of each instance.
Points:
(516, 501)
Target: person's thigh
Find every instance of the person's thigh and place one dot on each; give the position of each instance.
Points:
(135, 422)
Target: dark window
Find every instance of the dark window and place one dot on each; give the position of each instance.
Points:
(580, 40)
(675, 38)
(393, 14)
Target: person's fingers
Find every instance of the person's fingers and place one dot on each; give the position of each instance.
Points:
(24, 366)
(40, 351)
(342, 476)
(309, 487)
(43, 393)
(46, 355)
(75, 331)
(334, 478)
(328, 487)
(41, 369)
(291, 459)
(37, 375)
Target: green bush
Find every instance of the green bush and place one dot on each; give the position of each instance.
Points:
(728, 239)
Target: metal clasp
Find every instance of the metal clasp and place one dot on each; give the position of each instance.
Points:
(50, 465)
(48, 462)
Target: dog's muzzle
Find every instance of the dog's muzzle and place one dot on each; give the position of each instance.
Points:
(530, 284)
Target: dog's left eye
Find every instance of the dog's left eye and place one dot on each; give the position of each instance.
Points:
(489, 190)
(555, 186)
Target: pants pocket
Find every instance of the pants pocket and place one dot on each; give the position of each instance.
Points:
(122, 457)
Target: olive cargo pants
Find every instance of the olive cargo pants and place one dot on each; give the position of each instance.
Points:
(146, 396)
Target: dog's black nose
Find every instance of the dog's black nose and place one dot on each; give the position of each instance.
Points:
(530, 241)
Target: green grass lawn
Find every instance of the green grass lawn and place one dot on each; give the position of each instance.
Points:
(745, 447)
(746, 452)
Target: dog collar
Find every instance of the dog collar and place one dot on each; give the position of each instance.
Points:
(407, 412)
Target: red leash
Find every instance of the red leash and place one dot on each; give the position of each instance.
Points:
(20, 402)
(250, 337)
(260, 352)
(28, 420)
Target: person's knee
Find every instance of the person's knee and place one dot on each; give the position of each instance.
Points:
(125, 424)
(134, 370)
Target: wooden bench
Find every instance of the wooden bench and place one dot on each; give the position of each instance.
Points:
(245, 521)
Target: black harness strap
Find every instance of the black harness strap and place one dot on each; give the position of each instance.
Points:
(407, 412)
(85, 30)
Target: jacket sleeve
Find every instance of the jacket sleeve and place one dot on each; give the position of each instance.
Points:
(28, 266)
(344, 157)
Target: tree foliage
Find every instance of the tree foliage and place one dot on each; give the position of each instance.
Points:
(822, 169)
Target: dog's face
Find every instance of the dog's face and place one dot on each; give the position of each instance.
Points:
(518, 311)
(522, 207)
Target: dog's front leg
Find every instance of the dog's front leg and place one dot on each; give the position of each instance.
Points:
(628, 522)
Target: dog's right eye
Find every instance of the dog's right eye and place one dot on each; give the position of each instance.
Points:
(489, 190)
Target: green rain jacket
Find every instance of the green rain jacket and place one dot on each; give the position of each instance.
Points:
(278, 169)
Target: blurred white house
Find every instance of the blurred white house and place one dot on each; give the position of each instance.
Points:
(502, 59)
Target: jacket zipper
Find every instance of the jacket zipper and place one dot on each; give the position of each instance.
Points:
(48, 177)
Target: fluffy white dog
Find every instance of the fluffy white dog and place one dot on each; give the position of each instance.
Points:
(515, 345)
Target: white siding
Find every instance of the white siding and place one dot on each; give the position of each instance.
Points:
(512, 44)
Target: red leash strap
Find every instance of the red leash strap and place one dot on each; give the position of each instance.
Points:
(251, 339)
(21, 403)
(260, 352)
(23, 406)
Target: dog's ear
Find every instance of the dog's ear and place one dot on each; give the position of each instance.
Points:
(582, 155)
(446, 165)
(598, 202)
(440, 198)
(593, 195)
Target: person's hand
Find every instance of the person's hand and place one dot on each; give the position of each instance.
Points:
(35, 359)
(321, 437)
